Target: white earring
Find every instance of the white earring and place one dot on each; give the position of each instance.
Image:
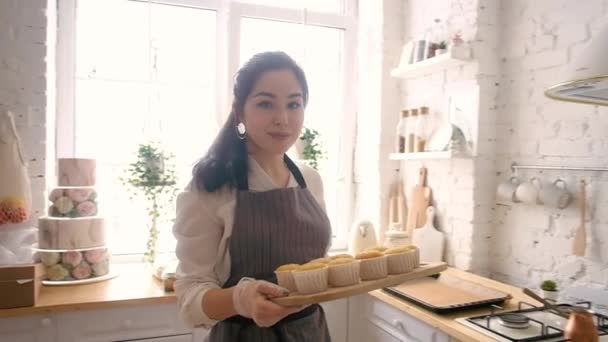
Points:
(241, 130)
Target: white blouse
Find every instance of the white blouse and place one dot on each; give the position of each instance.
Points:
(203, 227)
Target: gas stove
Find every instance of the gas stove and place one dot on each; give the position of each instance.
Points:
(531, 323)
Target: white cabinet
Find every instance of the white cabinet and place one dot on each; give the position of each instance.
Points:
(336, 313)
(38, 328)
(136, 322)
(372, 320)
(141, 323)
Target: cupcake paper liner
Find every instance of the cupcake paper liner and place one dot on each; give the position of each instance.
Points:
(374, 268)
(285, 279)
(401, 262)
(311, 281)
(344, 274)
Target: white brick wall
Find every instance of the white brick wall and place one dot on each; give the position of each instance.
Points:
(25, 83)
(518, 55)
(464, 208)
(532, 243)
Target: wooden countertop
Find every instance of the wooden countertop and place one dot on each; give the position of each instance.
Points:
(134, 285)
(446, 322)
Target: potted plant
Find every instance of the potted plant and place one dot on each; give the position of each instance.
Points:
(550, 290)
(152, 177)
(442, 48)
(309, 148)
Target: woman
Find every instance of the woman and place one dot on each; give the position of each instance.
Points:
(250, 209)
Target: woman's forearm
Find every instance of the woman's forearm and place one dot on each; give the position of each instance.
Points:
(217, 304)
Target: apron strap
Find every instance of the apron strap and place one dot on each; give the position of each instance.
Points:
(295, 171)
(242, 180)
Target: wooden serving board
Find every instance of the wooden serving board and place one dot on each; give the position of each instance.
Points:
(333, 293)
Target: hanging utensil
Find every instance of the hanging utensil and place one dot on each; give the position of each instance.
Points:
(580, 237)
(548, 305)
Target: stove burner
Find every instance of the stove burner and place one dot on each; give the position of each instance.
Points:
(514, 321)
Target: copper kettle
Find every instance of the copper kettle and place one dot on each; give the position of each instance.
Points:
(580, 327)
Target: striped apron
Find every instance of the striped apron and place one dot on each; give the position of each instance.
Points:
(273, 228)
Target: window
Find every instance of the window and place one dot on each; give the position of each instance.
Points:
(131, 71)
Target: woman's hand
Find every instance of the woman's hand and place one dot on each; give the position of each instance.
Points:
(251, 300)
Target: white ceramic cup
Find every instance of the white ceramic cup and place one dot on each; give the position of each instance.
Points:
(555, 195)
(505, 192)
(527, 192)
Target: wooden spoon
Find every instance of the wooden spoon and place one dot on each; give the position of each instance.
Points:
(580, 238)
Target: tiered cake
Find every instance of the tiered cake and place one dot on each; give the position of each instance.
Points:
(72, 237)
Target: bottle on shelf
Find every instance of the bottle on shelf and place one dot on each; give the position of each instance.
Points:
(411, 131)
(402, 131)
(421, 130)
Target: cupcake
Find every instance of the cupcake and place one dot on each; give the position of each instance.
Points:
(341, 256)
(285, 276)
(320, 260)
(401, 259)
(373, 265)
(343, 272)
(310, 278)
(378, 249)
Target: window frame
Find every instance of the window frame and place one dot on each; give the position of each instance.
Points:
(227, 49)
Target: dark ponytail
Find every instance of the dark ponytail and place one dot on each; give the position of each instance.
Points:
(226, 160)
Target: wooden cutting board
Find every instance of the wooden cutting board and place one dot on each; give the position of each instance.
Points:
(420, 200)
(429, 239)
(333, 293)
(447, 293)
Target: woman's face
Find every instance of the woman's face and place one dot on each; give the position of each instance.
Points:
(274, 112)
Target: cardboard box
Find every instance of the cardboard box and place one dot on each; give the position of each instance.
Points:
(20, 285)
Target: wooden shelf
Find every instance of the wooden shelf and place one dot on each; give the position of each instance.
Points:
(455, 56)
(422, 155)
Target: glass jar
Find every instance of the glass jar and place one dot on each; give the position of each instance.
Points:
(402, 131)
(411, 131)
(421, 130)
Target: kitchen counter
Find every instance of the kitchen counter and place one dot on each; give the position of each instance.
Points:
(134, 285)
(446, 322)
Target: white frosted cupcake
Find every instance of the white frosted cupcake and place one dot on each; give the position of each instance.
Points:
(285, 276)
(310, 278)
(373, 265)
(343, 272)
(401, 259)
